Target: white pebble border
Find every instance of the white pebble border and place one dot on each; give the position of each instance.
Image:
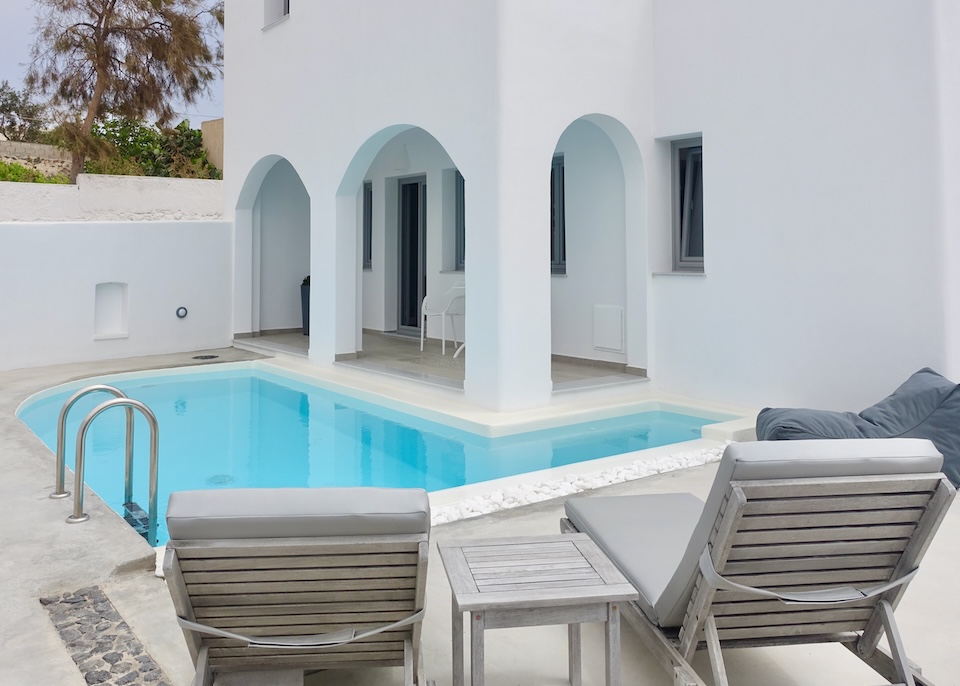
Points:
(525, 494)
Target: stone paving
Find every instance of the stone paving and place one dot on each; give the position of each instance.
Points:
(99, 641)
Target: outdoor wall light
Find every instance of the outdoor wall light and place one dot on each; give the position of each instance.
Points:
(181, 312)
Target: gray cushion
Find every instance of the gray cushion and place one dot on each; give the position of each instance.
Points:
(927, 405)
(645, 535)
(658, 548)
(297, 512)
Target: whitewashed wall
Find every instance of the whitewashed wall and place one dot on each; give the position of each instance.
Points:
(595, 241)
(947, 26)
(823, 276)
(102, 197)
(827, 264)
(49, 274)
(283, 227)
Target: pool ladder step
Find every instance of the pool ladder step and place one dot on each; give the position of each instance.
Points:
(146, 526)
(137, 517)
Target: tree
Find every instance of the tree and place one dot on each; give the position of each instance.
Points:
(21, 119)
(129, 58)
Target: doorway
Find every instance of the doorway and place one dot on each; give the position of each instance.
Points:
(412, 254)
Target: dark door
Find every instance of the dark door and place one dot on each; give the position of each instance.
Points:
(413, 230)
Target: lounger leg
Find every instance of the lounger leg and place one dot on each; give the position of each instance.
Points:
(713, 648)
(574, 654)
(897, 652)
(457, 644)
(443, 334)
(407, 662)
(203, 676)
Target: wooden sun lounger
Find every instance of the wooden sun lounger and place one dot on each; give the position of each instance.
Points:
(299, 579)
(822, 554)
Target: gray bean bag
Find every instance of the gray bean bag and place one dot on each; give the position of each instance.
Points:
(927, 405)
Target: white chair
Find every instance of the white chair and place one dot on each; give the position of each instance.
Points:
(451, 303)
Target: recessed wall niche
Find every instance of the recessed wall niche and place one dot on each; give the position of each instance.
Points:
(110, 311)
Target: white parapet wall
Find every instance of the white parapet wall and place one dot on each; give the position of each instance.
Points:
(101, 269)
(81, 291)
(101, 197)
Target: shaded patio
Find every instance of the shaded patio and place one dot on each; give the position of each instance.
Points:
(400, 356)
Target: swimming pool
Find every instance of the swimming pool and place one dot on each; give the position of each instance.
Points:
(249, 427)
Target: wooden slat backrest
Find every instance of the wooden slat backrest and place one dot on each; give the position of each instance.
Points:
(803, 534)
(301, 586)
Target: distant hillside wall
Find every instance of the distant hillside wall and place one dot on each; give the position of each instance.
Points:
(33, 151)
(102, 197)
(213, 141)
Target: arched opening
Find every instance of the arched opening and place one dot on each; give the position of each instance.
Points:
(401, 201)
(272, 254)
(598, 248)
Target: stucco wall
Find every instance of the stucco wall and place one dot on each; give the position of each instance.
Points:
(22, 149)
(822, 281)
(48, 281)
(283, 223)
(102, 197)
(827, 263)
(212, 131)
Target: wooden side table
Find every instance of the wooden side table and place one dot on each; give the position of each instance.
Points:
(533, 581)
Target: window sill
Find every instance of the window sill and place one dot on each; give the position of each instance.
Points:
(110, 336)
(683, 272)
(275, 22)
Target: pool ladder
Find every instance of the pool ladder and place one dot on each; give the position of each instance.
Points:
(120, 400)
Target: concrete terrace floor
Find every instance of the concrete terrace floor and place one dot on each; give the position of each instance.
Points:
(43, 556)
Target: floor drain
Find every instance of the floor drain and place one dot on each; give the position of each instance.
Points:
(220, 480)
(205, 357)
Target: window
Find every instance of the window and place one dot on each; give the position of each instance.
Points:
(274, 11)
(460, 235)
(558, 240)
(367, 225)
(688, 204)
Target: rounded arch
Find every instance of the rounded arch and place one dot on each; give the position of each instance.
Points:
(605, 235)
(378, 285)
(272, 247)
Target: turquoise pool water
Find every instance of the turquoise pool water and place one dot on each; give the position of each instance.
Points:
(253, 428)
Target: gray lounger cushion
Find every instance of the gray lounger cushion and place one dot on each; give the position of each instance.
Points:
(656, 540)
(297, 512)
(927, 405)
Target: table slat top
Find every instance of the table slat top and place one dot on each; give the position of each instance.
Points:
(531, 571)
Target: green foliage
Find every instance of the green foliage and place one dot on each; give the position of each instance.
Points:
(11, 171)
(127, 58)
(141, 150)
(21, 119)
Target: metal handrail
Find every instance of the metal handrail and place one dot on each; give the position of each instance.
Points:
(60, 475)
(78, 514)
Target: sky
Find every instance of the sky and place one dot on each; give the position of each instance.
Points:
(16, 39)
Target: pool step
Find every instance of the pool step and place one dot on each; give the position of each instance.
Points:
(136, 517)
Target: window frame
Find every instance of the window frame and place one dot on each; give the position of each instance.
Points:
(367, 220)
(275, 11)
(460, 228)
(558, 219)
(681, 208)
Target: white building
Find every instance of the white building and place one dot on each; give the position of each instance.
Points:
(829, 221)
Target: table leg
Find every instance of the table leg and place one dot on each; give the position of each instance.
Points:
(612, 641)
(574, 652)
(457, 644)
(476, 649)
